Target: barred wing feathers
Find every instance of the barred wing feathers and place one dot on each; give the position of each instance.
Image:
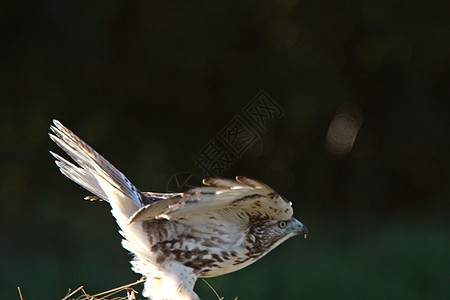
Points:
(100, 177)
(252, 200)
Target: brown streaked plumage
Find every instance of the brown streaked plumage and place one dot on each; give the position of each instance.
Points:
(178, 237)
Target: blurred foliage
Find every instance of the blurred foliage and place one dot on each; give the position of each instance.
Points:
(149, 83)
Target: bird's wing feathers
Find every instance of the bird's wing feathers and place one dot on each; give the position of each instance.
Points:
(252, 200)
(100, 177)
(90, 161)
(80, 176)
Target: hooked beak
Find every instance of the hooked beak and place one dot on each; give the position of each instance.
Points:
(299, 228)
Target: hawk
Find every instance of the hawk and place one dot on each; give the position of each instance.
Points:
(176, 238)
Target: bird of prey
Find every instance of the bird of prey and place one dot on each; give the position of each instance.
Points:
(176, 238)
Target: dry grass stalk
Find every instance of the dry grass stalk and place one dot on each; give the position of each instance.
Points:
(20, 293)
(107, 295)
(80, 293)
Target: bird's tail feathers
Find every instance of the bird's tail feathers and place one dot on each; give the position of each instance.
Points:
(100, 177)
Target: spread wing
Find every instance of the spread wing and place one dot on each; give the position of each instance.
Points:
(251, 200)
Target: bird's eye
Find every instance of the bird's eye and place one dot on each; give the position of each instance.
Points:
(282, 224)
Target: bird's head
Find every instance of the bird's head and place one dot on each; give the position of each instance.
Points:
(269, 234)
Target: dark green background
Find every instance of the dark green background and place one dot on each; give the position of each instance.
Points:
(149, 83)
